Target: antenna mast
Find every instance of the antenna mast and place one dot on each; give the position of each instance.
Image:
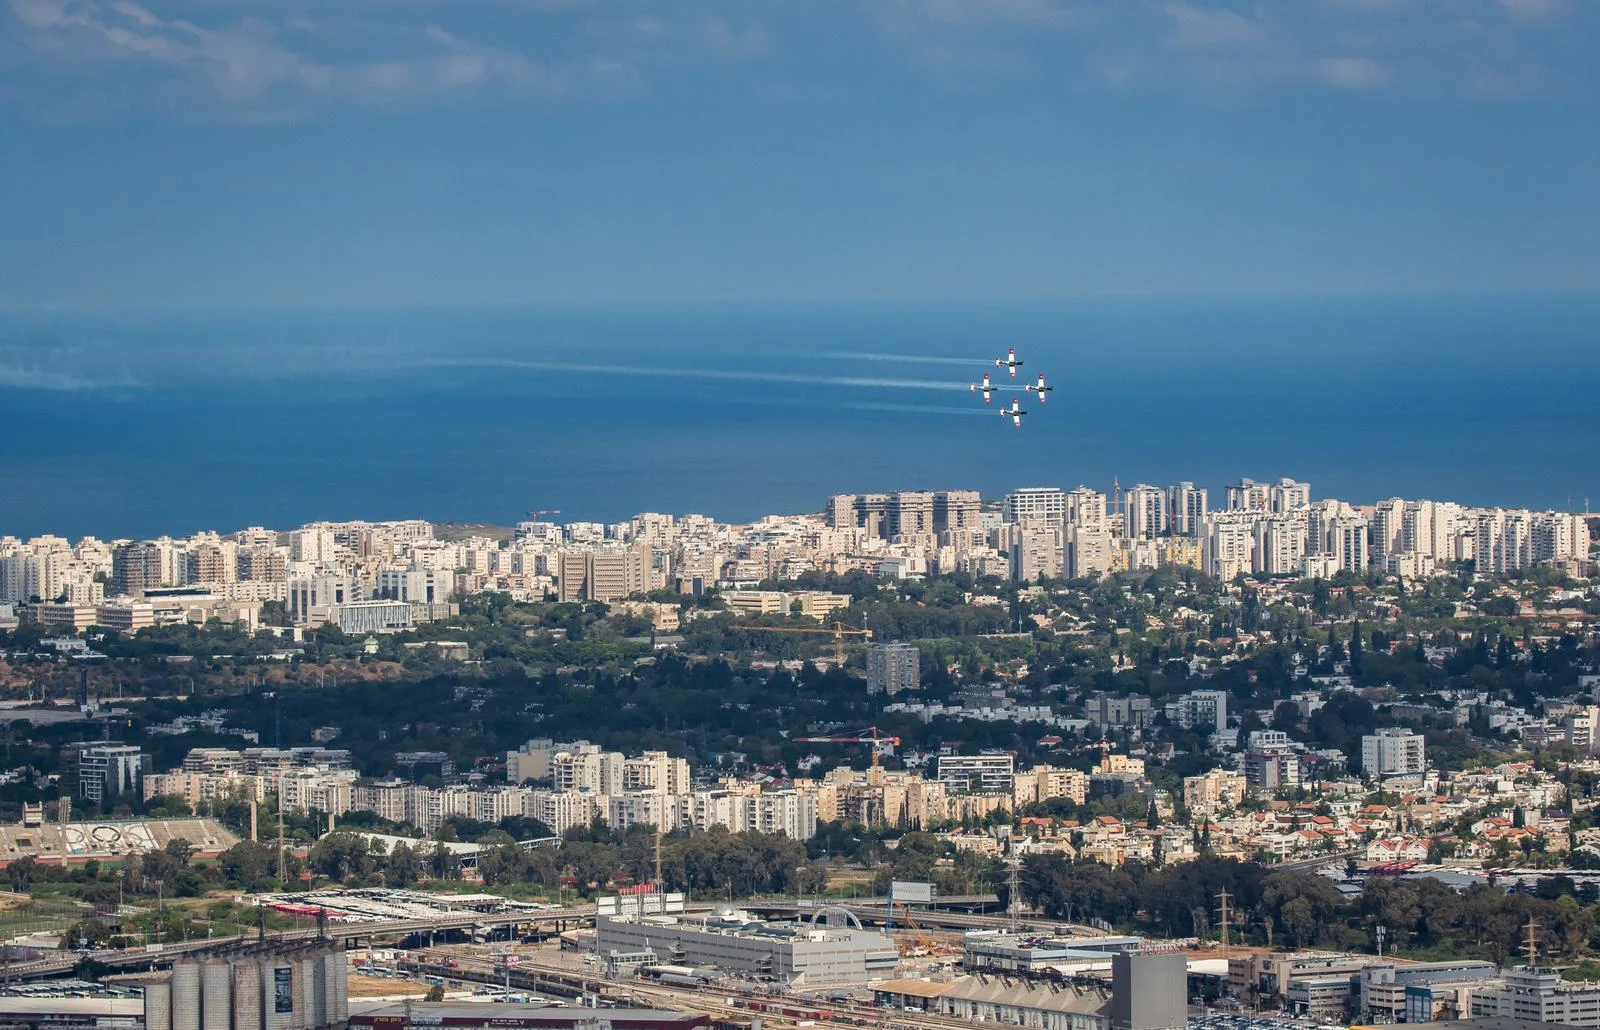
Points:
(1223, 897)
(1014, 892)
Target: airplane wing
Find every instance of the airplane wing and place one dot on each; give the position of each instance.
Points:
(1017, 420)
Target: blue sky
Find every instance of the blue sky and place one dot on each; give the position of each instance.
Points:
(242, 153)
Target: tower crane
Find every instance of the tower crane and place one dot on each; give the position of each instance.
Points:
(870, 735)
(837, 630)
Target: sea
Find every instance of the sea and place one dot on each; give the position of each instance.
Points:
(148, 423)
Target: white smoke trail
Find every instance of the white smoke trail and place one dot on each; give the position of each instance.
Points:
(930, 359)
(930, 409)
(726, 375)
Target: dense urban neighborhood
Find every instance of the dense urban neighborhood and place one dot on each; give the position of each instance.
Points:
(1347, 752)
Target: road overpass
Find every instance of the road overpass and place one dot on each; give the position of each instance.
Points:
(345, 933)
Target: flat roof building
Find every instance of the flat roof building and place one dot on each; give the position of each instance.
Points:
(731, 940)
(892, 668)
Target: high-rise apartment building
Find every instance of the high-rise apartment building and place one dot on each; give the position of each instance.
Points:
(1227, 544)
(1386, 531)
(1203, 709)
(137, 567)
(1393, 751)
(211, 563)
(1286, 495)
(1145, 512)
(608, 575)
(1036, 552)
(987, 773)
(1280, 546)
(1088, 550)
(1248, 495)
(106, 770)
(1086, 507)
(907, 514)
(892, 667)
(263, 564)
(1042, 505)
(956, 511)
(1187, 508)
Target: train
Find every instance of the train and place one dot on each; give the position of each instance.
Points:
(679, 976)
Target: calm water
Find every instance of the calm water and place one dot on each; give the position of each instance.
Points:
(142, 424)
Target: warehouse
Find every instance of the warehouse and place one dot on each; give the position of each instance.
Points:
(106, 1013)
(734, 942)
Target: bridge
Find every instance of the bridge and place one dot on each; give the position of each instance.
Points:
(875, 910)
(345, 933)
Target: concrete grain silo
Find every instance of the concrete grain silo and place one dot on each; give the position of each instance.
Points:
(246, 995)
(336, 986)
(278, 994)
(158, 1005)
(186, 996)
(216, 995)
(316, 984)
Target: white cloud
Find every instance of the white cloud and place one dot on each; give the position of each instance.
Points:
(252, 68)
(1533, 10)
(1195, 27)
(903, 17)
(725, 40)
(25, 377)
(1353, 73)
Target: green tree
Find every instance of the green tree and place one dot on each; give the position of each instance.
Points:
(403, 867)
(21, 872)
(1298, 921)
(248, 864)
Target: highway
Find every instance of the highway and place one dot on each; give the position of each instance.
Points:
(712, 999)
(874, 910)
(345, 932)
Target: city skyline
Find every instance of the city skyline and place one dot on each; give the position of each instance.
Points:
(385, 577)
(1000, 502)
(992, 501)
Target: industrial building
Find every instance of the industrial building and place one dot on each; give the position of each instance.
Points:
(60, 1013)
(1034, 955)
(1147, 992)
(501, 1017)
(788, 953)
(260, 987)
(1539, 994)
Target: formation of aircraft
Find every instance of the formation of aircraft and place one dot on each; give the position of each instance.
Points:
(987, 388)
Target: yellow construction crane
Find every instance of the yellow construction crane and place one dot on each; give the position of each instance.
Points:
(837, 630)
(918, 942)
